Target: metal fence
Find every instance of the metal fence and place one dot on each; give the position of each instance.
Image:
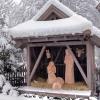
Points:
(17, 78)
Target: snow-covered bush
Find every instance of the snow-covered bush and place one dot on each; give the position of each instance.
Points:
(13, 92)
(6, 88)
(10, 56)
(10, 59)
(2, 80)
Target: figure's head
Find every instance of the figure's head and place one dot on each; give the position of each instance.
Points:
(79, 51)
(51, 63)
(67, 51)
(51, 67)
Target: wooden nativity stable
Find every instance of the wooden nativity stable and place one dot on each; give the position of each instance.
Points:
(56, 28)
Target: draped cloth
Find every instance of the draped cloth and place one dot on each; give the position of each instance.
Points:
(69, 67)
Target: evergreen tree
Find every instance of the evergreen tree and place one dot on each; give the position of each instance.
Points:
(10, 59)
(10, 56)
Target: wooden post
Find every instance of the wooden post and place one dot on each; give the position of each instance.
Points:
(90, 64)
(28, 66)
(78, 65)
(37, 62)
(93, 66)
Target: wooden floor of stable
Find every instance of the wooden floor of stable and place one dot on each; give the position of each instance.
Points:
(76, 86)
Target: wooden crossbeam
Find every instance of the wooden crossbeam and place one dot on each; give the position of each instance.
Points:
(57, 43)
(37, 62)
(78, 65)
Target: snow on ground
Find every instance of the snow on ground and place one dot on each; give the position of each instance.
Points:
(36, 97)
(7, 97)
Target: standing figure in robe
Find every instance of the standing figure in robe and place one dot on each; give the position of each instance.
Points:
(69, 69)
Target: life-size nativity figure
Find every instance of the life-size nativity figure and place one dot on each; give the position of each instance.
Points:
(56, 82)
(69, 67)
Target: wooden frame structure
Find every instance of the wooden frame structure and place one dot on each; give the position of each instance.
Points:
(66, 40)
(56, 41)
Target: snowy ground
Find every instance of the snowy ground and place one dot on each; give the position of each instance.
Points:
(34, 96)
(5, 97)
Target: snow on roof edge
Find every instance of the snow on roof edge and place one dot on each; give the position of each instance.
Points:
(53, 27)
(57, 4)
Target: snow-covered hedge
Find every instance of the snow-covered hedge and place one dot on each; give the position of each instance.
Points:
(6, 88)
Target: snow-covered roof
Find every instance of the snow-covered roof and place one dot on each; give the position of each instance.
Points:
(58, 5)
(73, 24)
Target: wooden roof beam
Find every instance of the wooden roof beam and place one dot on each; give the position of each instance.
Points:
(57, 43)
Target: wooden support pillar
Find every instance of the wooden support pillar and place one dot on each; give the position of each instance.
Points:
(78, 65)
(37, 62)
(93, 66)
(90, 64)
(28, 66)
